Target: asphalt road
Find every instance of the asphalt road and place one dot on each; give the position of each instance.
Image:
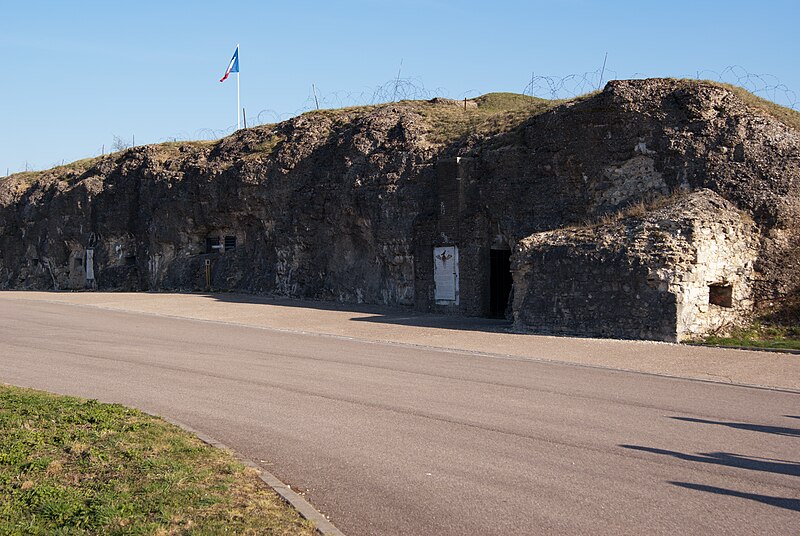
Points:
(392, 439)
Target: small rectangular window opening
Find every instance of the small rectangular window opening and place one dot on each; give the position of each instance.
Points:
(720, 294)
(212, 244)
(230, 242)
(78, 262)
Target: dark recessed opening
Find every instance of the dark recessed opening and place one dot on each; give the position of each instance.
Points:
(719, 294)
(130, 260)
(499, 281)
(230, 242)
(212, 244)
(78, 262)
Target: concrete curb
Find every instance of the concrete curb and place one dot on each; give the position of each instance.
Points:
(303, 507)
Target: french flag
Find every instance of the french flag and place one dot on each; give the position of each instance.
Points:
(233, 66)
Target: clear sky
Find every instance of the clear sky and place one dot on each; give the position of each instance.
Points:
(78, 73)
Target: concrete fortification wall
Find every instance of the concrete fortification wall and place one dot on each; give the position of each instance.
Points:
(659, 209)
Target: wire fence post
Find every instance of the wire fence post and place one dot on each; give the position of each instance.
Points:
(397, 81)
(602, 71)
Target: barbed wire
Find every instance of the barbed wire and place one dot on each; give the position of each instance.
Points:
(396, 89)
(549, 87)
(563, 87)
(566, 87)
(764, 85)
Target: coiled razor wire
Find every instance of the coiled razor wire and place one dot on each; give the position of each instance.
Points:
(764, 85)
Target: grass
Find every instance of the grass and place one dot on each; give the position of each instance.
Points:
(787, 116)
(495, 113)
(66, 172)
(268, 145)
(447, 121)
(71, 467)
(777, 325)
(171, 149)
(72, 170)
(758, 335)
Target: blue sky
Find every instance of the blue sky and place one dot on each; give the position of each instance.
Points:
(79, 73)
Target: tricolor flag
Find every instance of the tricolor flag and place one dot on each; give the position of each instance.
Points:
(233, 66)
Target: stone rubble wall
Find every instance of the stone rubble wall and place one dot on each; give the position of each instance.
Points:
(347, 205)
(642, 277)
(323, 217)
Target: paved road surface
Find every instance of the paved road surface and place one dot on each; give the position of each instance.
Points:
(392, 439)
(480, 335)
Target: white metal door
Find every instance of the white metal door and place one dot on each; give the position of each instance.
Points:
(445, 275)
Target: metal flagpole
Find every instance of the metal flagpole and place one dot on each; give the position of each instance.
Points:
(238, 112)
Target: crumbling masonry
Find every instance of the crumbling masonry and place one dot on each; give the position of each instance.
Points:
(655, 209)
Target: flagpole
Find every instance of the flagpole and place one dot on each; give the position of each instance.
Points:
(238, 109)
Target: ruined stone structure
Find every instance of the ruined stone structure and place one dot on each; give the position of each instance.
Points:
(681, 271)
(658, 209)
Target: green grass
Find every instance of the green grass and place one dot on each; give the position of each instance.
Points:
(268, 145)
(70, 467)
(758, 336)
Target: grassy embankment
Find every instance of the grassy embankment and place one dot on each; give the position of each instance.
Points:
(776, 327)
(758, 335)
(72, 466)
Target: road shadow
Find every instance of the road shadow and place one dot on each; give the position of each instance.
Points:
(781, 467)
(779, 502)
(777, 430)
(377, 313)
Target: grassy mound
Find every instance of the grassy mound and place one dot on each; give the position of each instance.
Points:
(71, 466)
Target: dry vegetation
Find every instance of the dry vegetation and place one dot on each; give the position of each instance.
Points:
(787, 116)
(495, 113)
(444, 122)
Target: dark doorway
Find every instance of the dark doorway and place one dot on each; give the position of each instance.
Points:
(499, 281)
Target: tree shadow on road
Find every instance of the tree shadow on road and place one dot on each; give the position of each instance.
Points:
(779, 502)
(777, 430)
(781, 467)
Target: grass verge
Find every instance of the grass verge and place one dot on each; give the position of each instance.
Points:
(73, 466)
(758, 336)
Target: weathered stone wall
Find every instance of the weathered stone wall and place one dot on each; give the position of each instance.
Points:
(454, 217)
(318, 213)
(641, 277)
(348, 205)
(638, 140)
